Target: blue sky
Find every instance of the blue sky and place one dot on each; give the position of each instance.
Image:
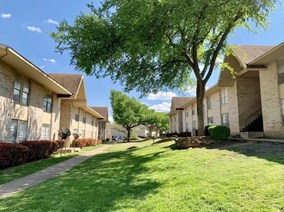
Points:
(25, 26)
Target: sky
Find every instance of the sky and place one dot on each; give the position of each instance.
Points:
(25, 27)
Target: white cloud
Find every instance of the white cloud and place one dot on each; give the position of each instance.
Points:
(191, 91)
(145, 103)
(42, 67)
(49, 60)
(161, 96)
(34, 29)
(6, 15)
(50, 21)
(163, 107)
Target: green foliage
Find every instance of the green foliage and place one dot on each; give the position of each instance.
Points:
(219, 133)
(149, 45)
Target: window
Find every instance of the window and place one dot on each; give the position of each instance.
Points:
(210, 120)
(76, 117)
(193, 111)
(224, 96)
(17, 131)
(45, 132)
(84, 120)
(17, 90)
(209, 103)
(282, 111)
(225, 119)
(21, 91)
(25, 93)
(280, 65)
(186, 127)
(194, 124)
(187, 114)
(47, 104)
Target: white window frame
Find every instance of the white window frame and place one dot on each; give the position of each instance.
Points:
(45, 132)
(224, 96)
(225, 119)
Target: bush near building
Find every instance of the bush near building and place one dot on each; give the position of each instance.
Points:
(83, 142)
(219, 133)
(15, 154)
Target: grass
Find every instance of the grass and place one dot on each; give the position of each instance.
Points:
(35, 166)
(32, 167)
(224, 177)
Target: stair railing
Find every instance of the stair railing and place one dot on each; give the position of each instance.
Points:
(253, 116)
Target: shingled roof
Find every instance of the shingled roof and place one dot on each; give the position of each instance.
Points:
(248, 53)
(178, 101)
(103, 111)
(69, 81)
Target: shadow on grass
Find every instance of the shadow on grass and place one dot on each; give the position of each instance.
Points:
(269, 151)
(102, 183)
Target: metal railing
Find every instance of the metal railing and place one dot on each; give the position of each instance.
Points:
(253, 116)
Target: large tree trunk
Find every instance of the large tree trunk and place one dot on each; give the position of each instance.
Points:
(200, 92)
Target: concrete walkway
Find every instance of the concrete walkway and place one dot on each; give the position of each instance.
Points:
(20, 184)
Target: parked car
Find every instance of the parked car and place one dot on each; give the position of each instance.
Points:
(118, 138)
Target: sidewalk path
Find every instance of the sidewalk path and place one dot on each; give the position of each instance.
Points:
(20, 184)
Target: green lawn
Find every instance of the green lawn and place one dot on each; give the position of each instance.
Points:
(228, 177)
(32, 167)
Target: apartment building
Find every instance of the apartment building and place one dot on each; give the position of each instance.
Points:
(250, 101)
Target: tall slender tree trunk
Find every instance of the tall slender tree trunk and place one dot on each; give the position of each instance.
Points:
(200, 92)
(128, 134)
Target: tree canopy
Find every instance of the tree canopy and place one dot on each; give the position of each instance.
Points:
(130, 113)
(151, 45)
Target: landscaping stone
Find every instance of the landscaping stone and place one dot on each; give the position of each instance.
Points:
(193, 141)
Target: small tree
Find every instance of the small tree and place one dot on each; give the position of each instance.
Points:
(127, 112)
(153, 45)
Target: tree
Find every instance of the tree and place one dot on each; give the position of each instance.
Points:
(162, 121)
(127, 112)
(152, 45)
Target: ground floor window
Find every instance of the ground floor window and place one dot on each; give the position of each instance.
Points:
(83, 133)
(282, 111)
(225, 119)
(210, 120)
(17, 131)
(45, 132)
(194, 124)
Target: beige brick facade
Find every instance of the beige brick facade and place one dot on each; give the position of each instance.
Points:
(32, 113)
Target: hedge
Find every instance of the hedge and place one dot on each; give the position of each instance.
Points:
(13, 154)
(42, 149)
(83, 142)
(219, 133)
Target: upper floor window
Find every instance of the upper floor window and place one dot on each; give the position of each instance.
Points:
(21, 91)
(224, 96)
(186, 114)
(47, 104)
(76, 117)
(193, 111)
(84, 120)
(280, 65)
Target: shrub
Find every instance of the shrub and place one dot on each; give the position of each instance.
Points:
(206, 131)
(13, 154)
(219, 133)
(41, 149)
(85, 142)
